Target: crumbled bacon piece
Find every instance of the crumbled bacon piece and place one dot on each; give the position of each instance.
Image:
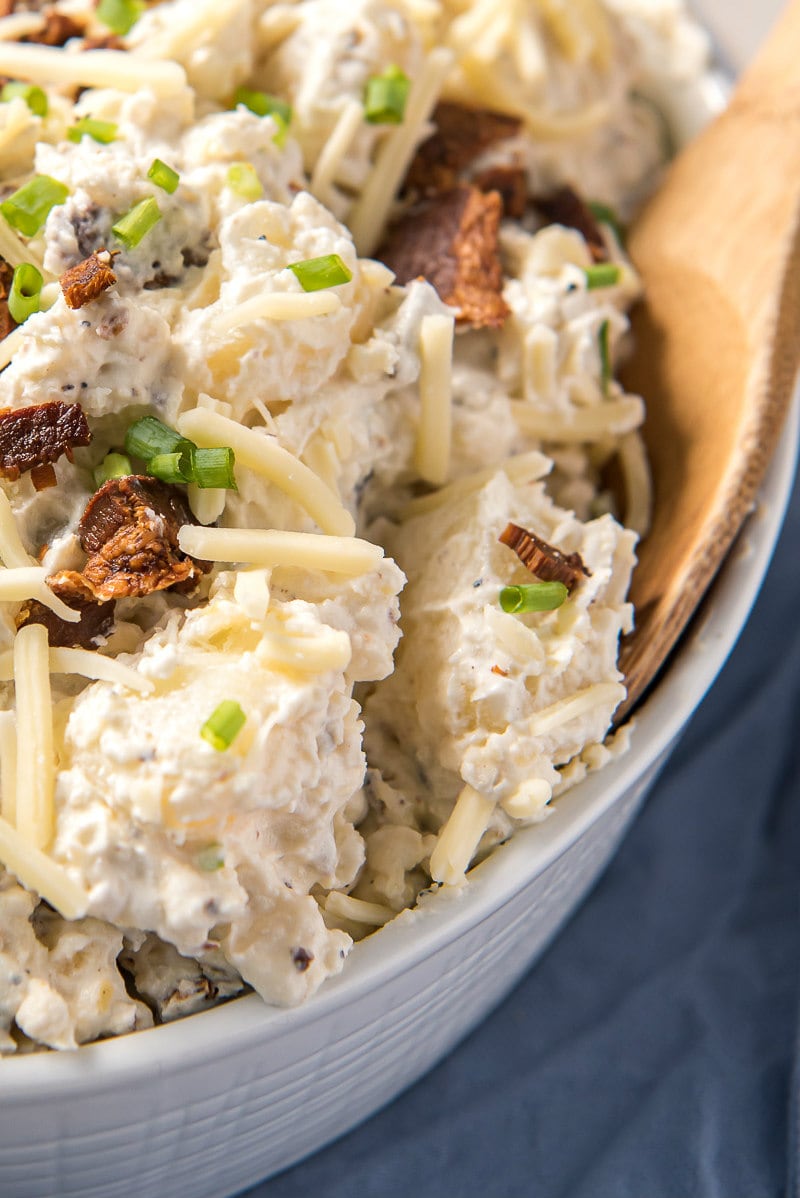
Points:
(57, 30)
(565, 207)
(461, 135)
(96, 619)
(109, 41)
(451, 240)
(39, 434)
(130, 531)
(512, 184)
(44, 477)
(545, 561)
(84, 282)
(7, 321)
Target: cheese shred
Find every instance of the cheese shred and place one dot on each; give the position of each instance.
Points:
(435, 434)
(460, 836)
(267, 458)
(38, 872)
(36, 765)
(273, 547)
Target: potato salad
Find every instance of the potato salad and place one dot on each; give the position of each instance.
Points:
(319, 494)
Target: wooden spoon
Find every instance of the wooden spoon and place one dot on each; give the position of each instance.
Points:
(718, 341)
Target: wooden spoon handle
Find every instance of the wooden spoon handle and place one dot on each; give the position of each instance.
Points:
(718, 341)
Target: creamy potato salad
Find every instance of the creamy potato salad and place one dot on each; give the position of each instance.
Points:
(309, 318)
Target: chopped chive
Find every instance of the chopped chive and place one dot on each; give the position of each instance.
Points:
(533, 596)
(25, 296)
(607, 216)
(113, 465)
(263, 104)
(385, 97)
(27, 209)
(33, 96)
(163, 176)
(605, 355)
(148, 437)
(119, 16)
(602, 274)
(244, 182)
(210, 859)
(224, 725)
(134, 225)
(213, 468)
(173, 467)
(103, 132)
(315, 274)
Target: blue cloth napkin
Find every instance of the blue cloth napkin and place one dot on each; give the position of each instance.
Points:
(650, 1053)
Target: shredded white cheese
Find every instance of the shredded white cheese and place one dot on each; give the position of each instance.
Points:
(613, 418)
(274, 547)
(334, 150)
(52, 66)
(36, 763)
(41, 874)
(524, 468)
(8, 766)
(435, 433)
(344, 906)
(601, 694)
(269, 459)
(371, 211)
(86, 663)
(12, 551)
(277, 305)
(329, 649)
(459, 837)
(30, 582)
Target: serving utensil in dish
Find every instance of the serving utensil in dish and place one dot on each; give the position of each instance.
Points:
(717, 346)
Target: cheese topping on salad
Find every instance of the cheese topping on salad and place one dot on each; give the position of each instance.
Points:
(309, 319)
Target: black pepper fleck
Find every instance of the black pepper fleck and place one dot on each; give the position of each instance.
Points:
(302, 959)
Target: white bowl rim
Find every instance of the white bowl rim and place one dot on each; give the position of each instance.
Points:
(444, 917)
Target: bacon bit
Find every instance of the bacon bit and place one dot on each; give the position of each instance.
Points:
(84, 282)
(512, 184)
(499, 672)
(108, 42)
(39, 434)
(545, 561)
(451, 240)
(44, 477)
(565, 207)
(57, 30)
(96, 620)
(130, 531)
(461, 135)
(7, 321)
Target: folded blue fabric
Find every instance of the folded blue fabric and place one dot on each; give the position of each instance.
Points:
(650, 1052)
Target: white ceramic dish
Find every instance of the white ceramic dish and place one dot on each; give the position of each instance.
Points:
(221, 1100)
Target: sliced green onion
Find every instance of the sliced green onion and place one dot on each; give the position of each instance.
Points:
(27, 209)
(148, 437)
(315, 274)
(134, 225)
(213, 468)
(533, 596)
(171, 467)
(25, 295)
(210, 859)
(113, 465)
(101, 131)
(244, 182)
(385, 97)
(33, 96)
(607, 216)
(605, 355)
(602, 274)
(224, 725)
(119, 16)
(163, 176)
(263, 104)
